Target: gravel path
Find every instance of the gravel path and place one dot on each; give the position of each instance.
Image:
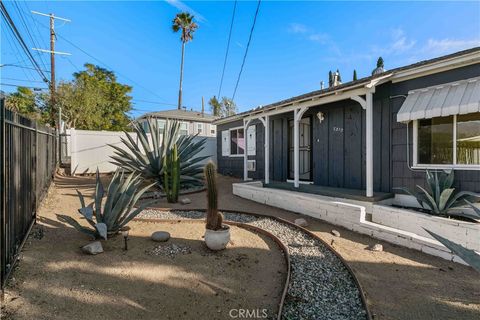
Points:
(320, 285)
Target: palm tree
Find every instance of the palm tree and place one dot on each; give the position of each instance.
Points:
(183, 21)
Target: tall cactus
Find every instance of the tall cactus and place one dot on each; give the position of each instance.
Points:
(171, 175)
(214, 218)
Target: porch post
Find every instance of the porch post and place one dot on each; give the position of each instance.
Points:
(369, 143)
(297, 116)
(267, 149)
(245, 153)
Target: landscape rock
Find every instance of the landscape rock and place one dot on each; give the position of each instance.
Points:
(93, 248)
(376, 247)
(160, 236)
(336, 233)
(301, 222)
(185, 201)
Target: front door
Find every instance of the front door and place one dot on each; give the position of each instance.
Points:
(305, 155)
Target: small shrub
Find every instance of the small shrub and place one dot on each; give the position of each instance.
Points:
(122, 195)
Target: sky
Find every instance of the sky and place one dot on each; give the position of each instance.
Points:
(293, 46)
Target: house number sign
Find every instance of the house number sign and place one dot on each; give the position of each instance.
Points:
(337, 129)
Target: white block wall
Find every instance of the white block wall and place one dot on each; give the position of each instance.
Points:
(90, 149)
(394, 225)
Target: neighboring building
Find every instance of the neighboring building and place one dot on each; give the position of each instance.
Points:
(373, 134)
(192, 122)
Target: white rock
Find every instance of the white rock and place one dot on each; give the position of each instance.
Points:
(301, 222)
(160, 236)
(336, 233)
(93, 248)
(376, 247)
(185, 201)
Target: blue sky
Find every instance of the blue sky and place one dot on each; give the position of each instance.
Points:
(294, 44)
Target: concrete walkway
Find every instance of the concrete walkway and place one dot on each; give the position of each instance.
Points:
(399, 283)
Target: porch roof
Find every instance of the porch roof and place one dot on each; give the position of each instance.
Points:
(442, 63)
(453, 98)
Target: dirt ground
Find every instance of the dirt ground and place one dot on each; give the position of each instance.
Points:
(54, 280)
(399, 283)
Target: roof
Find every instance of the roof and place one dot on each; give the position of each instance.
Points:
(186, 115)
(459, 97)
(352, 84)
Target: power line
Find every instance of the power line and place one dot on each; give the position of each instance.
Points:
(246, 50)
(20, 13)
(106, 65)
(14, 30)
(16, 85)
(228, 47)
(156, 102)
(14, 79)
(19, 66)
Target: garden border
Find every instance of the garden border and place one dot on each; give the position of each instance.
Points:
(281, 220)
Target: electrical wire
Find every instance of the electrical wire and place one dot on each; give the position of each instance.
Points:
(16, 85)
(20, 39)
(228, 48)
(35, 44)
(246, 50)
(14, 79)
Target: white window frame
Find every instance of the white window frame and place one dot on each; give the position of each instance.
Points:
(454, 165)
(230, 141)
(199, 128)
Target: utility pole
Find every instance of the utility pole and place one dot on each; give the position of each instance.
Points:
(52, 75)
(203, 107)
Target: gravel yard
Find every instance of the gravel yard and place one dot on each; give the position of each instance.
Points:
(320, 285)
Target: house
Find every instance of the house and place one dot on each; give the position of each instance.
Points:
(365, 137)
(191, 122)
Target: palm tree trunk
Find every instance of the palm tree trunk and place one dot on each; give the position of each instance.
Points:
(181, 79)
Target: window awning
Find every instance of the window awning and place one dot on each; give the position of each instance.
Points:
(448, 99)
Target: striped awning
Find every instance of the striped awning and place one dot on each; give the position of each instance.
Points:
(448, 99)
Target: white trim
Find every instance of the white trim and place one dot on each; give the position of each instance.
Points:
(455, 139)
(369, 142)
(230, 141)
(245, 151)
(446, 166)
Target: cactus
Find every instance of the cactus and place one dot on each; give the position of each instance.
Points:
(214, 218)
(171, 175)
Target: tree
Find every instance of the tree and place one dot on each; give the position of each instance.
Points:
(380, 63)
(23, 101)
(94, 100)
(330, 78)
(224, 108)
(215, 106)
(183, 21)
(229, 107)
(355, 75)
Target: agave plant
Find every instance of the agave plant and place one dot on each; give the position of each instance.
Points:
(441, 196)
(121, 197)
(147, 158)
(469, 256)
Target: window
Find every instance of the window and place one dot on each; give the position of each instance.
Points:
(183, 128)
(212, 131)
(468, 139)
(452, 141)
(237, 142)
(199, 128)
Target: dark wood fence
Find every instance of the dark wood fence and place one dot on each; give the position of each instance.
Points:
(27, 164)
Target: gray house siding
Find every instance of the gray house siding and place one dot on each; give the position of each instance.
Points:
(338, 143)
(233, 166)
(401, 175)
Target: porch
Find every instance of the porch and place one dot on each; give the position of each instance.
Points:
(352, 194)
